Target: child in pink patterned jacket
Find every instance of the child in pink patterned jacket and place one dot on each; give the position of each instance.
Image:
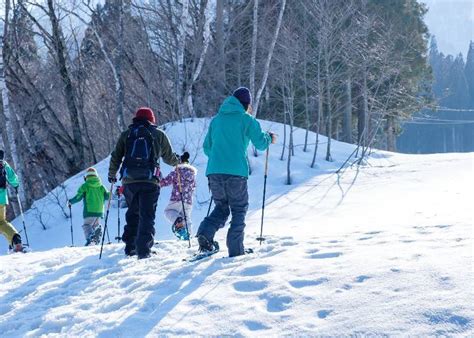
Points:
(174, 210)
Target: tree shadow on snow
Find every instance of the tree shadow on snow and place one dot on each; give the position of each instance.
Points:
(168, 294)
(29, 309)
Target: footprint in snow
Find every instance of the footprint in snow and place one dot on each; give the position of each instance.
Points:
(255, 326)
(289, 243)
(365, 238)
(443, 226)
(250, 286)
(373, 233)
(298, 284)
(361, 279)
(312, 251)
(256, 270)
(114, 306)
(447, 317)
(326, 255)
(324, 313)
(277, 303)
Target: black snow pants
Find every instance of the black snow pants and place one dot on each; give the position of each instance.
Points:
(138, 234)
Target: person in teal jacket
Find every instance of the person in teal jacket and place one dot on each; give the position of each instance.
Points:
(94, 193)
(225, 145)
(8, 176)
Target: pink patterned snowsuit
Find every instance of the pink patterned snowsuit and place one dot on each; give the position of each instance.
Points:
(188, 184)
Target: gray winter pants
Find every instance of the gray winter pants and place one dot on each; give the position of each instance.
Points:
(89, 226)
(230, 194)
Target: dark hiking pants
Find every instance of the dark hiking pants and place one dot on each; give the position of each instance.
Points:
(138, 233)
(230, 196)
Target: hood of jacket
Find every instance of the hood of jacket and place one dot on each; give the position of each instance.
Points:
(231, 105)
(93, 181)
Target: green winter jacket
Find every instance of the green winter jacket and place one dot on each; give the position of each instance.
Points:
(12, 179)
(94, 194)
(228, 138)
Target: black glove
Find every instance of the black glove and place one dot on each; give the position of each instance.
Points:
(273, 136)
(112, 179)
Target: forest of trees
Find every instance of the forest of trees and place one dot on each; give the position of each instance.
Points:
(448, 125)
(73, 72)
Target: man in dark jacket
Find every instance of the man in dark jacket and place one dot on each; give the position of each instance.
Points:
(226, 143)
(138, 151)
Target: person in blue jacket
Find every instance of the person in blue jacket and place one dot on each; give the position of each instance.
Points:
(225, 145)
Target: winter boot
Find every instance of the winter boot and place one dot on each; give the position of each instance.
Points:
(205, 245)
(130, 251)
(178, 223)
(97, 235)
(16, 245)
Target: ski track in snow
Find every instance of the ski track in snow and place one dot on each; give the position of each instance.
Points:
(383, 250)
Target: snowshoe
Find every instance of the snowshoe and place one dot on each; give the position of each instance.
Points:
(206, 249)
(18, 248)
(94, 237)
(97, 235)
(179, 229)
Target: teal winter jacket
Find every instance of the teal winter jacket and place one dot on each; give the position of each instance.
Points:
(12, 179)
(228, 138)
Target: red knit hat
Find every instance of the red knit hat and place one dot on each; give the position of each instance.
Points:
(145, 113)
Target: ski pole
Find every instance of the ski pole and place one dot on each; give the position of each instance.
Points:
(182, 204)
(118, 238)
(106, 219)
(70, 217)
(261, 238)
(22, 216)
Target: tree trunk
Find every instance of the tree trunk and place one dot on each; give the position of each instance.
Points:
(362, 115)
(60, 49)
(221, 77)
(206, 35)
(320, 108)
(253, 55)
(282, 157)
(306, 103)
(7, 109)
(391, 137)
(329, 109)
(119, 86)
(180, 90)
(347, 116)
(266, 68)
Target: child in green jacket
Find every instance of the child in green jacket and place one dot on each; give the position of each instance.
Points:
(94, 194)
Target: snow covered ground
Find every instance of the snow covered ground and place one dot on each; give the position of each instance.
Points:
(383, 249)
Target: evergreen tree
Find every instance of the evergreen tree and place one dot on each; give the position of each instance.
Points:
(469, 73)
(457, 93)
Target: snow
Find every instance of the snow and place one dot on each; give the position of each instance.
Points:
(381, 249)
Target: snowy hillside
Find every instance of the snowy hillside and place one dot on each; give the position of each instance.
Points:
(386, 249)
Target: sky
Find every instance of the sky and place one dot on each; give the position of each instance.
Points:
(452, 22)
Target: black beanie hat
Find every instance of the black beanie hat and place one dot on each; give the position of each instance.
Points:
(243, 95)
(185, 157)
